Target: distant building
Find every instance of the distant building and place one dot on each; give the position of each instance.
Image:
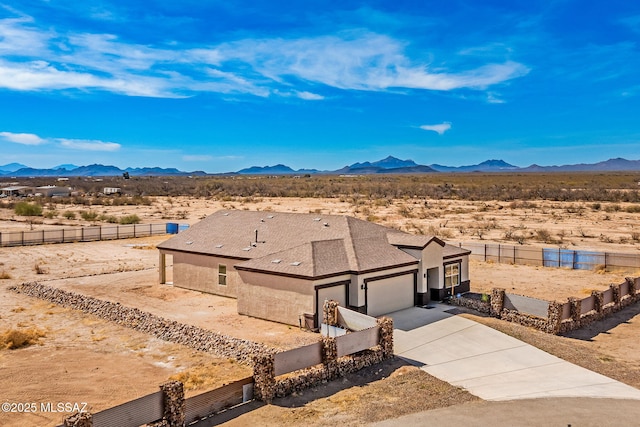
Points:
(112, 190)
(53, 191)
(16, 190)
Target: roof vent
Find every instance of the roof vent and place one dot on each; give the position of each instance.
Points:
(261, 219)
(188, 243)
(248, 248)
(219, 246)
(276, 261)
(225, 214)
(317, 219)
(326, 224)
(270, 216)
(296, 263)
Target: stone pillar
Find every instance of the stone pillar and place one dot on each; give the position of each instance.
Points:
(554, 317)
(598, 300)
(79, 419)
(330, 312)
(174, 407)
(329, 350)
(497, 301)
(616, 293)
(330, 357)
(632, 285)
(576, 309)
(386, 336)
(264, 377)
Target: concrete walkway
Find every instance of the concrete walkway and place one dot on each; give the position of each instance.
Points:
(490, 364)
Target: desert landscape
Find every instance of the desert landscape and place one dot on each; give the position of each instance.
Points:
(76, 357)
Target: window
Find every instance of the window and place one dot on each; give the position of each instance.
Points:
(222, 274)
(451, 275)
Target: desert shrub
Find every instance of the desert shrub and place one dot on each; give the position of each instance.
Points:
(51, 214)
(12, 339)
(633, 209)
(111, 219)
(27, 209)
(39, 269)
(89, 215)
(4, 275)
(544, 235)
(69, 215)
(130, 219)
(596, 206)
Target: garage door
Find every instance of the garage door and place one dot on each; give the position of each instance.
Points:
(336, 293)
(389, 295)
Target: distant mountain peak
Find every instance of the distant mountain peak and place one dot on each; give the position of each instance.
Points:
(12, 167)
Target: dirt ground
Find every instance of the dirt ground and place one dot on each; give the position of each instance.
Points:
(82, 358)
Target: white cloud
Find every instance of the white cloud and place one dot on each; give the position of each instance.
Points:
(23, 138)
(42, 59)
(88, 145)
(439, 128)
(309, 96)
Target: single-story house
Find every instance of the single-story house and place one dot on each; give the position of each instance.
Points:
(283, 266)
(16, 190)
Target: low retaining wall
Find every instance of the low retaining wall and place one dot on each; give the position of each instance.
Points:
(560, 317)
(268, 386)
(165, 329)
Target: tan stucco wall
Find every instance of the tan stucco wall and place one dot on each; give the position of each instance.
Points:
(200, 273)
(276, 298)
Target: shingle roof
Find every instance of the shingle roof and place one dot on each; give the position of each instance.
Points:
(308, 245)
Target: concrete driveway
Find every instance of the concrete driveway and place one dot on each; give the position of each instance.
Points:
(490, 364)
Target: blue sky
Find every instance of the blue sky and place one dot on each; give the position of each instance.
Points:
(222, 85)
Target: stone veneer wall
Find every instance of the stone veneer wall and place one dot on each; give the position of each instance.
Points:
(267, 386)
(473, 303)
(553, 323)
(601, 311)
(165, 329)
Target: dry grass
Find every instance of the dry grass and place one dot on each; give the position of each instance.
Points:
(210, 375)
(381, 392)
(12, 339)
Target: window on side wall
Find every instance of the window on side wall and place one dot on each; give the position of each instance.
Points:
(222, 274)
(451, 275)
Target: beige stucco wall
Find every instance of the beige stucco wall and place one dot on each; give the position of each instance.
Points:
(200, 273)
(277, 298)
(429, 257)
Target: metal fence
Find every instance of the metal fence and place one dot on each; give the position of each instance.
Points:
(550, 257)
(80, 234)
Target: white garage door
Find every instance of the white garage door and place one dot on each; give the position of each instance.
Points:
(389, 295)
(336, 293)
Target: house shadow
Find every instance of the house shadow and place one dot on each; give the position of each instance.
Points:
(300, 399)
(416, 317)
(604, 326)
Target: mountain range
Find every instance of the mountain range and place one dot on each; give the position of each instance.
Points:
(389, 165)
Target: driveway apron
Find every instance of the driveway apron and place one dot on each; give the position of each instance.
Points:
(490, 364)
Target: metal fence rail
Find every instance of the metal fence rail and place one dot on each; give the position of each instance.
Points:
(550, 257)
(213, 401)
(80, 234)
